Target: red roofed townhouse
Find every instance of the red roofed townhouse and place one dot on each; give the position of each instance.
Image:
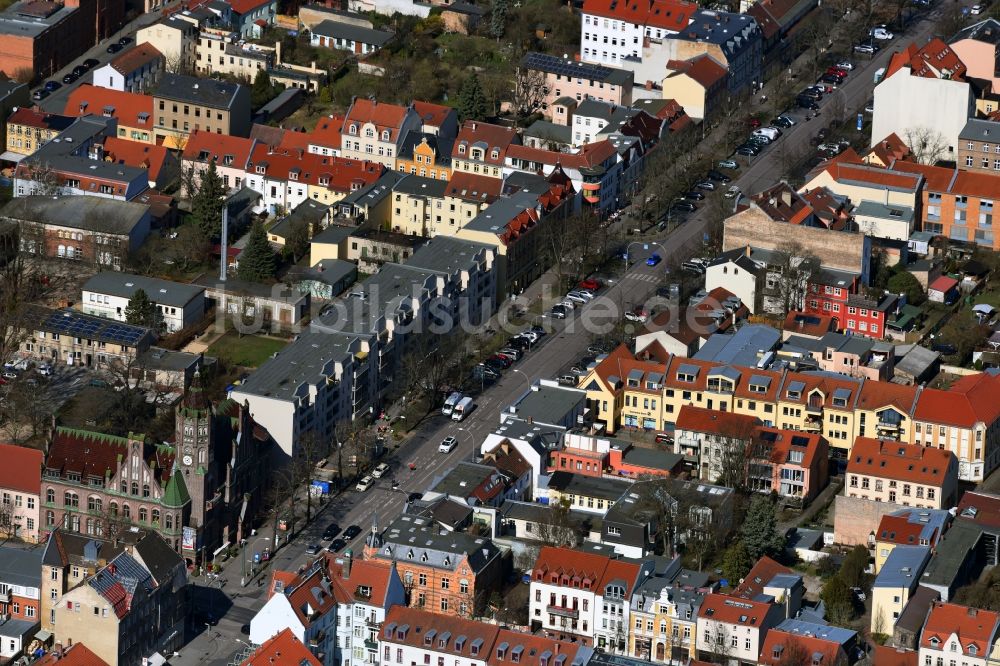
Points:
(413, 636)
(827, 293)
(907, 474)
(791, 463)
(575, 595)
(953, 632)
(698, 84)
(77, 654)
(374, 130)
(885, 655)
(481, 148)
(134, 70)
(230, 154)
(964, 419)
(133, 111)
(924, 90)
(334, 607)
(887, 151)
(282, 648)
(285, 177)
(28, 129)
(612, 32)
(161, 164)
(325, 138)
(784, 647)
(20, 490)
(705, 437)
(735, 628)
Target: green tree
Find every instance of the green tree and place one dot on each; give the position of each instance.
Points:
(140, 310)
(207, 202)
(257, 261)
(906, 283)
(852, 569)
(498, 18)
(760, 529)
(736, 563)
(471, 100)
(839, 600)
(263, 90)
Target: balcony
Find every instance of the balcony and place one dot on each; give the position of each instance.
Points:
(5, 597)
(573, 613)
(370, 644)
(813, 423)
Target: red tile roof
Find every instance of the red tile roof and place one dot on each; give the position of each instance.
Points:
(433, 115)
(206, 146)
(703, 69)
(899, 530)
(77, 654)
(758, 578)
(980, 508)
(473, 187)
(943, 284)
(779, 444)
(972, 627)
(34, 118)
(807, 323)
(376, 575)
(673, 15)
(282, 648)
(780, 646)
(477, 134)
(95, 454)
(127, 107)
(873, 176)
(339, 174)
(142, 155)
(886, 655)
(734, 610)
(328, 131)
(21, 469)
(246, 6)
(877, 395)
(135, 58)
(889, 149)
(383, 116)
(935, 60)
(970, 400)
(901, 462)
(414, 627)
(727, 424)
(588, 156)
(589, 571)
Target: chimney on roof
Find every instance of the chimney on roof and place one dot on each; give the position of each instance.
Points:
(348, 555)
(973, 612)
(473, 125)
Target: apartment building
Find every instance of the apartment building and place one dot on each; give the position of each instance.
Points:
(28, 129)
(183, 104)
(481, 148)
(134, 70)
(71, 337)
(664, 617)
(909, 527)
(425, 155)
(132, 111)
(222, 52)
(20, 484)
(735, 628)
(979, 146)
(177, 305)
(229, 153)
(374, 130)
(612, 34)
(952, 631)
(895, 583)
(20, 583)
(907, 474)
(579, 81)
(417, 204)
(176, 37)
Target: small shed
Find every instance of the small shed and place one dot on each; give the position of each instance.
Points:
(943, 290)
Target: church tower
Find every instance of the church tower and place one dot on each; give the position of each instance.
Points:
(195, 456)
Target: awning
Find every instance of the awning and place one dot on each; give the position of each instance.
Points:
(43, 636)
(261, 22)
(11, 156)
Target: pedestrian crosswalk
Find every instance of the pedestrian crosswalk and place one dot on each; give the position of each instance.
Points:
(644, 277)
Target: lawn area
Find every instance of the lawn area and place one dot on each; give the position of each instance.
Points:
(249, 351)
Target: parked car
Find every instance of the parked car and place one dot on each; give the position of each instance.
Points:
(364, 484)
(91, 63)
(732, 192)
(976, 10)
(40, 94)
(837, 71)
(577, 297)
(846, 65)
(812, 92)
(332, 530)
(753, 122)
(653, 259)
(638, 315)
(685, 206)
(807, 103)
(831, 79)
(834, 148)
(557, 313)
(881, 33)
(125, 41)
(729, 164)
(45, 369)
(52, 86)
(718, 176)
(352, 531)
(865, 48)
(114, 48)
(380, 470)
(70, 78)
(80, 70)
(748, 150)
(512, 352)
(783, 121)
(447, 445)
(770, 133)
(336, 546)
(313, 549)
(870, 106)
(567, 380)
(590, 284)
(694, 194)
(705, 185)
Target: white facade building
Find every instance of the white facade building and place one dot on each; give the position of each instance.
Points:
(734, 627)
(177, 305)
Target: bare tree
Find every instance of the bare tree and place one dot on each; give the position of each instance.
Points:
(433, 366)
(788, 277)
(355, 442)
(8, 527)
(557, 529)
(529, 91)
(927, 145)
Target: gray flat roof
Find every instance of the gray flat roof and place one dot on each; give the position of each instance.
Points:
(547, 130)
(903, 567)
(883, 212)
(446, 254)
(157, 358)
(67, 153)
(589, 486)
(162, 292)
(354, 33)
(281, 293)
(206, 92)
(20, 20)
(421, 186)
(462, 479)
(19, 566)
(547, 404)
(334, 234)
(97, 214)
(654, 458)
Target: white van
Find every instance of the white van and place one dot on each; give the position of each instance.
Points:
(450, 402)
(462, 409)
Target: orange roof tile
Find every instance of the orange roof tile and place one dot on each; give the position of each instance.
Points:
(673, 15)
(473, 187)
(131, 109)
(886, 655)
(383, 116)
(340, 174)
(135, 58)
(22, 468)
(807, 323)
(77, 654)
(433, 115)
(328, 131)
(877, 395)
(703, 69)
(568, 567)
(934, 60)
(376, 575)
(246, 6)
(734, 610)
(205, 146)
(282, 648)
(899, 530)
(873, 176)
(414, 627)
(132, 153)
(972, 627)
(900, 462)
(779, 646)
(30, 117)
(980, 507)
(781, 442)
(970, 400)
(889, 149)
(760, 575)
(727, 424)
(477, 134)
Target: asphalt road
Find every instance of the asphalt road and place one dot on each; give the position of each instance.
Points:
(556, 351)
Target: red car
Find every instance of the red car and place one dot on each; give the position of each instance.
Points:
(837, 71)
(754, 123)
(590, 284)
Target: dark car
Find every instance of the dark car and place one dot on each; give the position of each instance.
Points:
(40, 94)
(332, 530)
(832, 79)
(413, 497)
(114, 48)
(125, 41)
(80, 70)
(52, 85)
(70, 78)
(782, 121)
(748, 150)
(685, 206)
(812, 93)
(718, 176)
(337, 545)
(313, 549)
(694, 194)
(807, 103)
(352, 532)
(504, 361)
(91, 63)
(496, 364)
(945, 348)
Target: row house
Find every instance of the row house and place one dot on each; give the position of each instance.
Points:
(73, 338)
(481, 148)
(789, 463)
(664, 616)
(908, 527)
(569, 78)
(734, 628)
(412, 636)
(134, 70)
(374, 130)
(613, 33)
(230, 154)
(335, 607)
(584, 597)
(183, 104)
(286, 177)
(20, 486)
(426, 155)
(133, 605)
(132, 111)
(979, 146)
(221, 52)
(897, 581)
(447, 573)
(952, 631)
(20, 583)
(907, 474)
(595, 170)
(28, 129)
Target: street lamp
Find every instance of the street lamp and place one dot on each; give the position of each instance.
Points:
(670, 209)
(253, 566)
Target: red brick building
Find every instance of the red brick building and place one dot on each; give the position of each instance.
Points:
(41, 36)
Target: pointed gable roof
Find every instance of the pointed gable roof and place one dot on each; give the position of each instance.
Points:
(975, 629)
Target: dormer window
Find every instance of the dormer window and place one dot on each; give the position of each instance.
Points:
(261, 168)
(461, 149)
(353, 129)
(495, 154)
(293, 175)
(369, 132)
(385, 135)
